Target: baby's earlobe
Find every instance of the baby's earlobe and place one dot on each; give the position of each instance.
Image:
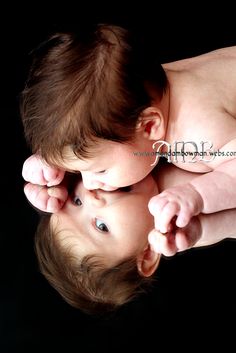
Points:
(147, 262)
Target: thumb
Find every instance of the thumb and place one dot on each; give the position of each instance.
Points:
(53, 176)
(59, 192)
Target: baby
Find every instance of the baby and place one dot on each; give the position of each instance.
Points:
(99, 102)
(94, 250)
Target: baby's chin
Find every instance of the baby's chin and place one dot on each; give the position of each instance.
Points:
(147, 186)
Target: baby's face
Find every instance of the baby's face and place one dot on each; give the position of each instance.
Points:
(115, 165)
(113, 224)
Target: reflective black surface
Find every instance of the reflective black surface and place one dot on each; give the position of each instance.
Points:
(197, 285)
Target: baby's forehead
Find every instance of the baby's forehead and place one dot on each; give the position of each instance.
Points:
(73, 240)
(97, 148)
(73, 163)
(63, 228)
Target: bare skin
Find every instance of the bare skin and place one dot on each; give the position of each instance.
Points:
(212, 227)
(201, 96)
(200, 105)
(107, 208)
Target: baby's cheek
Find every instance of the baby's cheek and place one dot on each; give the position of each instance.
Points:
(143, 218)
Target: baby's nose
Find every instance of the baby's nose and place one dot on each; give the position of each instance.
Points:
(95, 198)
(91, 184)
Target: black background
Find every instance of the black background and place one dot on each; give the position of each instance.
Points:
(194, 297)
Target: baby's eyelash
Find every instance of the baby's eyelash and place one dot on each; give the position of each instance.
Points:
(102, 227)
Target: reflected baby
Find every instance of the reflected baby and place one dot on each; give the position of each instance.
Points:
(99, 248)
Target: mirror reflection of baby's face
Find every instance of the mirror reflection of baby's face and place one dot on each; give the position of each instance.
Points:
(113, 224)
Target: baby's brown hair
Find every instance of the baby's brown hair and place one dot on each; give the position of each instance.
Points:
(87, 86)
(85, 283)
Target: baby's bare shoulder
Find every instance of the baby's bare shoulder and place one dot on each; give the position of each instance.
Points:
(200, 61)
(226, 52)
(210, 81)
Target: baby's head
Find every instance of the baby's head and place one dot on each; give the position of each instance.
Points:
(95, 250)
(90, 95)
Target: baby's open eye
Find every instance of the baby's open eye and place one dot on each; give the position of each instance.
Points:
(100, 225)
(77, 201)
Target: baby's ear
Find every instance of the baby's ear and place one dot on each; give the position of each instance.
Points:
(152, 124)
(147, 262)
